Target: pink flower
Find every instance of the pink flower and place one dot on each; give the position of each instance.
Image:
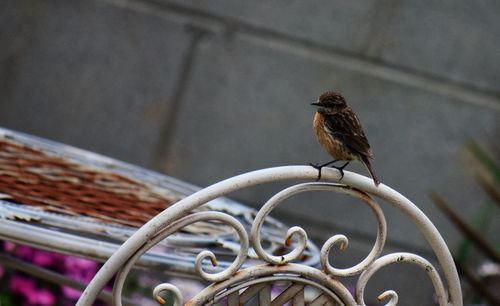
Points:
(79, 269)
(25, 287)
(43, 258)
(9, 246)
(71, 293)
(21, 285)
(41, 297)
(25, 252)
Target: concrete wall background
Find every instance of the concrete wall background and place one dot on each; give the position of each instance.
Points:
(204, 90)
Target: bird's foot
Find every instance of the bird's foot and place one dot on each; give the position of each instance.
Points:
(341, 169)
(317, 167)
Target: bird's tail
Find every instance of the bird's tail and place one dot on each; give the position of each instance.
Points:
(369, 167)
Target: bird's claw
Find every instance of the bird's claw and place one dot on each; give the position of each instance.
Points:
(317, 167)
(341, 169)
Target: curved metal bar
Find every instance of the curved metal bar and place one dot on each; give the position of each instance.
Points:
(119, 258)
(185, 221)
(279, 278)
(377, 247)
(400, 257)
(282, 272)
(392, 295)
(167, 287)
(325, 250)
(259, 220)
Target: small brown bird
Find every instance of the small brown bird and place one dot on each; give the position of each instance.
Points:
(339, 131)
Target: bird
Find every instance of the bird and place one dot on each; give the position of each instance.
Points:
(339, 131)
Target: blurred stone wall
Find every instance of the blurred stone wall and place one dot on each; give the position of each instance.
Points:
(204, 90)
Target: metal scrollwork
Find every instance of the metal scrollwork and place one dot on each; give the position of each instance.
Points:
(400, 257)
(170, 288)
(297, 251)
(232, 280)
(174, 227)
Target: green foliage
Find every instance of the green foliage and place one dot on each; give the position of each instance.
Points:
(485, 160)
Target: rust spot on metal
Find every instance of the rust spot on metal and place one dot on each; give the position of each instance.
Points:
(238, 272)
(242, 271)
(334, 280)
(161, 300)
(214, 261)
(32, 177)
(304, 257)
(362, 193)
(214, 285)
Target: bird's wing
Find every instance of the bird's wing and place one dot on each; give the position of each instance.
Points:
(346, 127)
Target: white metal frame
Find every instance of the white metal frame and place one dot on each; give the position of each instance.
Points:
(233, 279)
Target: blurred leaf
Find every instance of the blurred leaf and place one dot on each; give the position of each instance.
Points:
(463, 250)
(484, 159)
(489, 188)
(475, 237)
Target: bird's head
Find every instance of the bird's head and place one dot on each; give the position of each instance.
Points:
(330, 101)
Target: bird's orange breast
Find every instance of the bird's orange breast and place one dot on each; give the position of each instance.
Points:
(334, 147)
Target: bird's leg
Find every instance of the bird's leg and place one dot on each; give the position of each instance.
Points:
(341, 169)
(319, 167)
(323, 165)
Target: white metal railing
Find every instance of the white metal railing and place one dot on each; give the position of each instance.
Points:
(229, 282)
